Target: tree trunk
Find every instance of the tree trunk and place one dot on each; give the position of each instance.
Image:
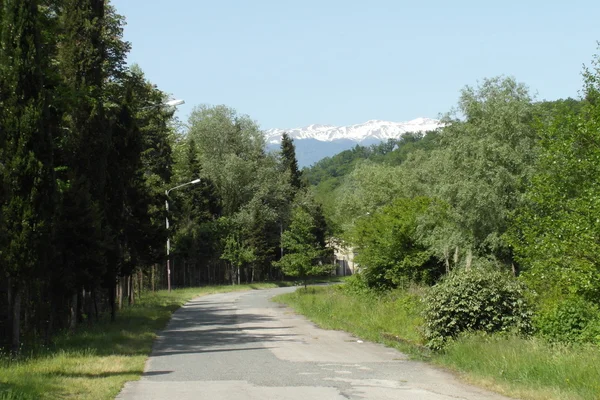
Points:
(95, 304)
(130, 299)
(469, 259)
(26, 309)
(88, 306)
(120, 293)
(50, 326)
(73, 320)
(141, 286)
(111, 298)
(153, 269)
(16, 321)
(456, 256)
(446, 260)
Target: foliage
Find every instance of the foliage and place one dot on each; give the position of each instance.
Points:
(332, 184)
(27, 182)
(555, 233)
(302, 251)
(388, 249)
(393, 152)
(481, 298)
(247, 187)
(569, 320)
(483, 164)
(355, 285)
(476, 168)
(237, 253)
(86, 156)
(369, 187)
(289, 161)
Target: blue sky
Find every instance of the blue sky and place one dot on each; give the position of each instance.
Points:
(290, 64)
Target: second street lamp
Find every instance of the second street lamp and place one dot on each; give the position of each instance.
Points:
(195, 181)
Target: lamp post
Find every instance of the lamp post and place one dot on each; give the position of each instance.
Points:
(195, 181)
(171, 103)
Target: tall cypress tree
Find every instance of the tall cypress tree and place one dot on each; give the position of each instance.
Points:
(85, 146)
(27, 201)
(82, 55)
(290, 163)
(154, 168)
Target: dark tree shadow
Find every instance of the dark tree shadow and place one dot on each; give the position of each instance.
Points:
(202, 327)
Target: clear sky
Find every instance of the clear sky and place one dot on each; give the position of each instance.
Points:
(293, 63)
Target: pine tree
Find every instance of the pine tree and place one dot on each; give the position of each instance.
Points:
(303, 251)
(28, 194)
(289, 161)
(197, 234)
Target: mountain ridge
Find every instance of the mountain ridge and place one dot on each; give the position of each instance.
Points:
(372, 130)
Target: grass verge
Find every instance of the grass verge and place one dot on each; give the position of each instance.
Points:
(94, 363)
(524, 368)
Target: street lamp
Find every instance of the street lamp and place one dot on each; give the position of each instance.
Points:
(170, 103)
(195, 181)
(174, 103)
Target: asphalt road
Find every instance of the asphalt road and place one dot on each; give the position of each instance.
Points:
(243, 346)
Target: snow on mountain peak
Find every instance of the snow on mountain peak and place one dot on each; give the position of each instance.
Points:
(373, 129)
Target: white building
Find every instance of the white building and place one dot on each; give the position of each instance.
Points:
(343, 257)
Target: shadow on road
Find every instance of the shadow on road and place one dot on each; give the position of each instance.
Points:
(203, 327)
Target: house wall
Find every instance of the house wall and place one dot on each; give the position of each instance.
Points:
(344, 260)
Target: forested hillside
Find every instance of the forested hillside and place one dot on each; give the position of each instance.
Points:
(329, 173)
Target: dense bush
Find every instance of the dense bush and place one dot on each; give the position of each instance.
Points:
(481, 298)
(388, 248)
(569, 320)
(356, 285)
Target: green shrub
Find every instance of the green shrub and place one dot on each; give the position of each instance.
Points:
(569, 320)
(355, 285)
(479, 299)
(388, 247)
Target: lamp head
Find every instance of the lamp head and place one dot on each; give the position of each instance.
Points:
(174, 103)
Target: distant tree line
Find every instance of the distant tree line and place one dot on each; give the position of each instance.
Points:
(230, 227)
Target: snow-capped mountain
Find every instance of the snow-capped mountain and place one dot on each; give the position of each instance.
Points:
(371, 131)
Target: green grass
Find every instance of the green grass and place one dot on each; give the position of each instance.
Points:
(523, 368)
(94, 363)
(526, 368)
(393, 319)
